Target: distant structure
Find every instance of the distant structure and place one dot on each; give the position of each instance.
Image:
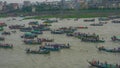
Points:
(63, 3)
(26, 3)
(14, 6)
(33, 9)
(104, 3)
(1, 5)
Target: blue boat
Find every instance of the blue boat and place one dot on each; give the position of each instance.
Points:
(37, 32)
(29, 51)
(57, 32)
(114, 50)
(50, 48)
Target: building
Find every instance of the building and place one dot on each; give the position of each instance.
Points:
(14, 6)
(104, 3)
(26, 3)
(1, 5)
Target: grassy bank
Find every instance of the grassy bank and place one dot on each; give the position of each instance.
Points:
(83, 13)
(87, 15)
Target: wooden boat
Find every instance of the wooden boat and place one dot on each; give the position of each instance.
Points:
(50, 21)
(16, 26)
(57, 32)
(1, 29)
(37, 32)
(70, 34)
(92, 40)
(82, 27)
(33, 23)
(5, 33)
(62, 46)
(29, 51)
(43, 28)
(96, 24)
(115, 38)
(116, 21)
(29, 35)
(102, 65)
(3, 24)
(89, 20)
(45, 40)
(50, 48)
(26, 29)
(6, 45)
(2, 38)
(114, 50)
(31, 41)
(103, 19)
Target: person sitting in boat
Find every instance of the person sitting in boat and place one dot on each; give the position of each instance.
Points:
(28, 50)
(114, 49)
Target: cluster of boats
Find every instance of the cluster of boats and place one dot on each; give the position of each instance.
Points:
(63, 30)
(37, 41)
(86, 37)
(45, 49)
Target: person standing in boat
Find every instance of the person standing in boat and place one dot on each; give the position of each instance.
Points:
(68, 44)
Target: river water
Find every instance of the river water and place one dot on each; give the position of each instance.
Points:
(75, 57)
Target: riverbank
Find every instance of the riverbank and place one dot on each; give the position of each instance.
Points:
(86, 13)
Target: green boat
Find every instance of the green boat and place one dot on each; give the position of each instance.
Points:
(1, 29)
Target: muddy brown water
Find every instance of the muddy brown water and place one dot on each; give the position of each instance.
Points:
(75, 57)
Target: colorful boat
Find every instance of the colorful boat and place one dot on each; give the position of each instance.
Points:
(2, 38)
(89, 20)
(6, 45)
(2, 24)
(115, 38)
(82, 27)
(96, 24)
(31, 41)
(29, 35)
(1, 29)
(29, 51)
(98, 64)
(45, 39)
(16, 26)
(26, 29)
(50, 48)
(5, 33)
(92, 40)
(57, 32)
(37, 32)
(114, 50)
(62, 46)
(33, 23)
(116, 21)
